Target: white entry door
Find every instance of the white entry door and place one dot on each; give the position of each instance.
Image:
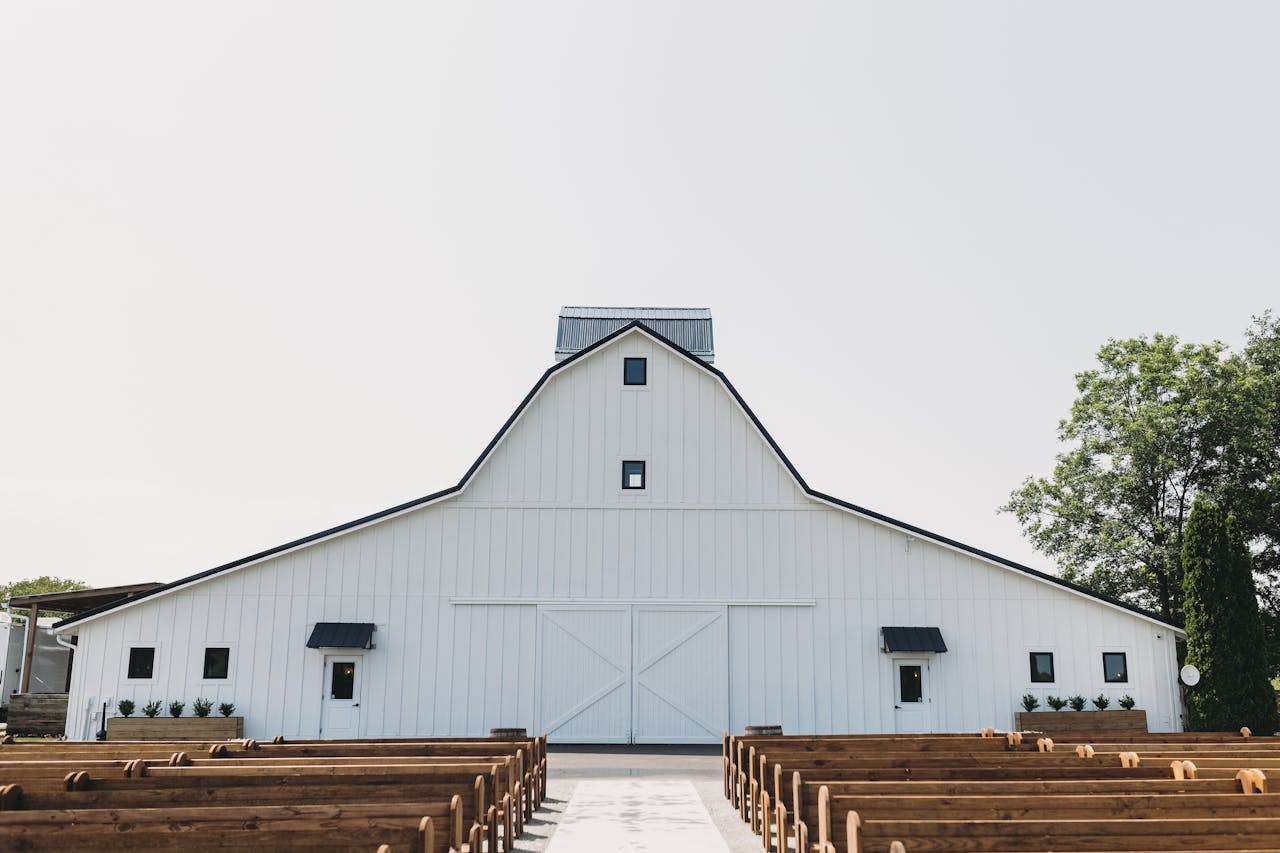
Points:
(681, 686)
(911, 703)
(340, 716)
(584, 666)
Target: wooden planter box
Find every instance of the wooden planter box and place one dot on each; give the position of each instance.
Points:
(37, 714)
(175, 728)
(1081, 722)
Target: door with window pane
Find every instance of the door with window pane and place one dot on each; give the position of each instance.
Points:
(911, 696)
(340, 716)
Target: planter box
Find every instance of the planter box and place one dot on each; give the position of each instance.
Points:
(1081, 722)
(37, 714)
(175, 728)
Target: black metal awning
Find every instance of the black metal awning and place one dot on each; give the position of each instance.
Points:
(341, 635)
(912, 639)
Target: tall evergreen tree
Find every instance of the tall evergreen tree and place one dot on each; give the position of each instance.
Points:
(1225, 638)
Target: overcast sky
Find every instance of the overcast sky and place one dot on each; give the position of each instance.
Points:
(268, 267)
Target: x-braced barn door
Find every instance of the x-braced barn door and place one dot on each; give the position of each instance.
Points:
(681, 681)
(584, 667)
(633, 673)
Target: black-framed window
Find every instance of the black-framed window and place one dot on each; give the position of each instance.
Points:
(142, 662)
(217, 661)
(1042, 667)
(635, 371)
(633, 474)
(1115, 668)
(342, 683)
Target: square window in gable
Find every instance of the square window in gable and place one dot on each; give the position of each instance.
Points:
(635, 371)
(633, 475)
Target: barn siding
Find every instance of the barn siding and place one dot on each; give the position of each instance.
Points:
(545, 519)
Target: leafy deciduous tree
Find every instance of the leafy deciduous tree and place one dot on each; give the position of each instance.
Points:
(1144, 437)
(36, 586)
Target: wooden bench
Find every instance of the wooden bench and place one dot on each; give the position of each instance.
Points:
(532, 752)
(1026, 767)
(1243, 834)
(485, 804)
(1227, 808)
(426, 827)
(800, 808)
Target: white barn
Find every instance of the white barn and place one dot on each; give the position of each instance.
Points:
(631, 559)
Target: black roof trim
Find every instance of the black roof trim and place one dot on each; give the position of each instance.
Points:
(398, 508)
(547, 374)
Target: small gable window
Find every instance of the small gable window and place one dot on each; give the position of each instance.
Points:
(1115, 668)
(142, 662)
(217, 661)
(633, 475)
(1042, 667)
(635, 371)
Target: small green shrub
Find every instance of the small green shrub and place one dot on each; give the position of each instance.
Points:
(1030, 702)
(226, 709)
(175, 708)
(1076, 703)
(1057, 703)
(1127, 702)
(125, 707)
(1101, 702)
(152, 709)
(202, 707)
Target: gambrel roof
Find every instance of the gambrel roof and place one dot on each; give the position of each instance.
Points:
(641, 327)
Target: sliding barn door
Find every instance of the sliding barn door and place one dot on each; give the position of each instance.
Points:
(633, 673)
(584, 673)
(681, 684)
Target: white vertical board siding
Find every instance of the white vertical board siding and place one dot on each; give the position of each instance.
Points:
(454, 588)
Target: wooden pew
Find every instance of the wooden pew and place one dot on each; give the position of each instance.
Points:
(532, 750)
(922, 836)
(483, 803)
(803, 800)
(501, 814)
(736, 749)
(111, 794)
(770, 765)
(432, 826)
(975, 766)
(1225, 807)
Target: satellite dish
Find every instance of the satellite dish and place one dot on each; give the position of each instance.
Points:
(1190, 675)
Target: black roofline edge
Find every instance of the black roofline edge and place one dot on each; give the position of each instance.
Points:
(528, 398)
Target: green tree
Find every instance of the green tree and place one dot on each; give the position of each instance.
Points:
(1145, 436)
(36, 586)
(1225, 636)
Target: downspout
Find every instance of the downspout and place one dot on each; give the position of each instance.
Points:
(67, 644)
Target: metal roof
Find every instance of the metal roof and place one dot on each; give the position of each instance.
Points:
(80, 600)
(341, 635)
(904, 639)
(581, 326)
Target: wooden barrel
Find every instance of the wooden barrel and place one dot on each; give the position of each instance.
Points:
(764, 730)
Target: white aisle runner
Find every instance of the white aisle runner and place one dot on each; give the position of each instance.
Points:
(663, 816)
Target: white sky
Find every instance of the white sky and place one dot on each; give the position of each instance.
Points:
(267, 267)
